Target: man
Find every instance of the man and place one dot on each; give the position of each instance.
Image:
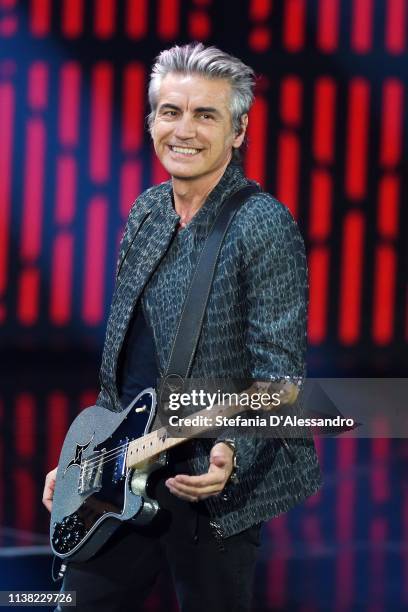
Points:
(254, 327)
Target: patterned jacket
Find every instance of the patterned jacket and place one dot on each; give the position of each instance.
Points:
(254, 327)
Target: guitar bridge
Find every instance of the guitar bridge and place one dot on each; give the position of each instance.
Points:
(90, 475)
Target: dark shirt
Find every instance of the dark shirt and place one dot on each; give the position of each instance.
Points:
(138, 365)
(138, 370)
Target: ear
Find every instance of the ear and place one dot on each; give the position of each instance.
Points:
(238, 140)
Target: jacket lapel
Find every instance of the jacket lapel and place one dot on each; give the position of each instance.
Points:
(144, 254)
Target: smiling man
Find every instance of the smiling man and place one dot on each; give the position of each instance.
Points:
(216, 493)
(193, 135)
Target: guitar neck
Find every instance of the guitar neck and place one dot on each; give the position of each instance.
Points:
(152, 444)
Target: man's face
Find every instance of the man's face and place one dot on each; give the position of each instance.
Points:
(192, 130)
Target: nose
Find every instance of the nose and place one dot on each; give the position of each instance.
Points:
(184, 128)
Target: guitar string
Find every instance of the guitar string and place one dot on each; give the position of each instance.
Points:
(86, 469)
(122, 446)
(110, 457)
(112, 454)
(118, 450)
(115, 453)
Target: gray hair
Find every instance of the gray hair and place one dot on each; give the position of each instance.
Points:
(211, 63)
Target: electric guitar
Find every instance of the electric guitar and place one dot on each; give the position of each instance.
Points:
(104, 473)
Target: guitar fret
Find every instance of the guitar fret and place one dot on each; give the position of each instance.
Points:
(150, 445)
(158, 441)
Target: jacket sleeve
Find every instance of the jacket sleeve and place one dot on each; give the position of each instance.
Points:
(275, 280)
(274, 273)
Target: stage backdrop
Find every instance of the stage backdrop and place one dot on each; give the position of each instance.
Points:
(327, 136)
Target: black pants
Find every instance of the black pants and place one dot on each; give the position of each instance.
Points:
(206, 576)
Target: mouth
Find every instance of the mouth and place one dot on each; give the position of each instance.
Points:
(184, 151)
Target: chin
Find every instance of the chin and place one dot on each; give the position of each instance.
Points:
(183, 173)
(184, 177)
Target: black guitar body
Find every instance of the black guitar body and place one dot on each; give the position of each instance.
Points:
(94, 491)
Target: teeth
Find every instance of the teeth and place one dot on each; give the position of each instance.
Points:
(184, 150)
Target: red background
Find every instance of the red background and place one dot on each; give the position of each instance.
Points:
(327, 136)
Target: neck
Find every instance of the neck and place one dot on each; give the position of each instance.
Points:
(190, 194)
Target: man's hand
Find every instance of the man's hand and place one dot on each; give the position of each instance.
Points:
(49, 487)
(287, 391)
(195, 488)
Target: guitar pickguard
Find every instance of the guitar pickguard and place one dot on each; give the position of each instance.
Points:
(77, 460)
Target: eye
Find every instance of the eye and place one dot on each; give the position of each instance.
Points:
(206, 116)
(170, 113)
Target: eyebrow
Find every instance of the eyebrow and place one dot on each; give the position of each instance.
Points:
(168, 105)
(207, 109)
(199, 109)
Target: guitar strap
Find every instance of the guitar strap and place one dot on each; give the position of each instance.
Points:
(192, 316)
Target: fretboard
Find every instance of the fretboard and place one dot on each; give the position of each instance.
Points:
(152, 444)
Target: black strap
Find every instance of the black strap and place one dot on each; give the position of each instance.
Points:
(192, 316)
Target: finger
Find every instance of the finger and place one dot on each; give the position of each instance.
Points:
(195, 497)
(194, 491)
(198, 492)
(205, 480)
(50, 483)
(47, 500)
(52, 475)
(49, 488)
(190, 498)
(219, 459)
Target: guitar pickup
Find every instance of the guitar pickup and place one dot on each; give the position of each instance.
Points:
(90, 475)
(119, 470)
